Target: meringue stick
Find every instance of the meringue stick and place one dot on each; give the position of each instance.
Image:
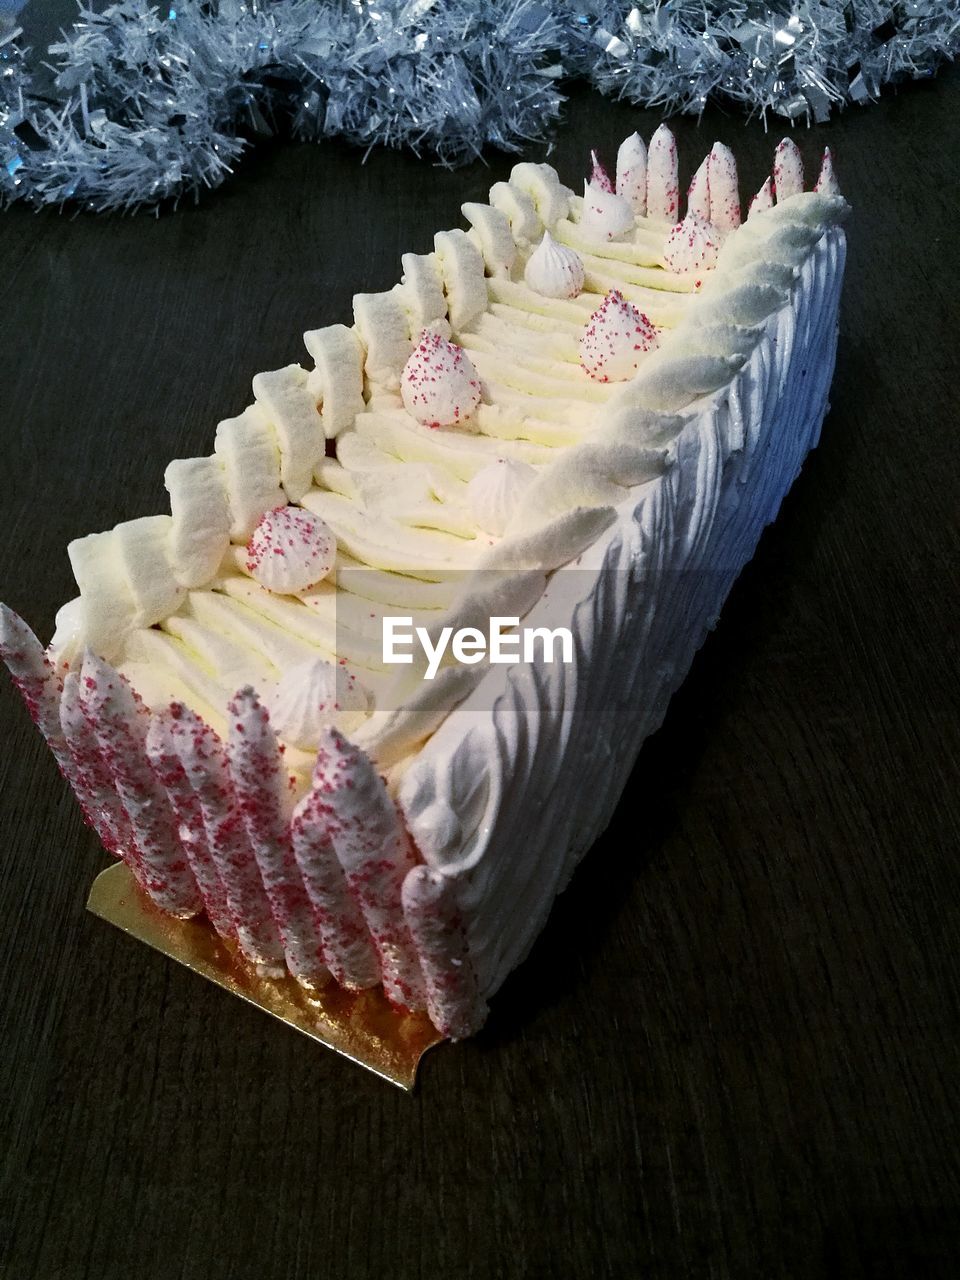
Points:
(350, 953)
(259, 780)
(663, 184)
(787, 170)
(376, 853)
(162, 754)
(120, 721)
(454, 1003)
(204, 762)
(39, 687)
(32, 674)
(103, 803)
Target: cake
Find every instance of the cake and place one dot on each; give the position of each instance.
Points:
(370, 690)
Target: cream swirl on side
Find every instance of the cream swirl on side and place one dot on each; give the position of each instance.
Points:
(439, 385)
(553, 270)
(615, 338)
(289, 550)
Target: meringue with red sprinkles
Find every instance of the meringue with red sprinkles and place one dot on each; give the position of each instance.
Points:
(692, 245)
(439, 385)
(615, 340)
(290, 550)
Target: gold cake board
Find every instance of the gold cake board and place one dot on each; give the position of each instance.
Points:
(360, 1025)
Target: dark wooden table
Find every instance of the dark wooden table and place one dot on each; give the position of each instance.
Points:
(735, 1049)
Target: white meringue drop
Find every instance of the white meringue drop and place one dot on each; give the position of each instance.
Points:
(553, 270)
(290, 549)
(605, 214)
(312, 695)
(494, 494)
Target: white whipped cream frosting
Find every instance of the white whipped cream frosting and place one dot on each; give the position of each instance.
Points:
(468, 795)
(605, 214)
(439, 385)
(290, 550)
(615, 340)
(495, 494)
(554, 270)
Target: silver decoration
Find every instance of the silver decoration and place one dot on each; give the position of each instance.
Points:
(152, 102)
(797, 59)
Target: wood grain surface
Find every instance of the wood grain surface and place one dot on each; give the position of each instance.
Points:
(734, 1051)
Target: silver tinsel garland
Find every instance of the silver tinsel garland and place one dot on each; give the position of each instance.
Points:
(146, 103)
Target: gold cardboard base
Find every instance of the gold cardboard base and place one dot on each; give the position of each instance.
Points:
(360, 1025)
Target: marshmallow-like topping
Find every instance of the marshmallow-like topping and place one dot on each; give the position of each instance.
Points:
(632, 173)
(495, 493)
(605, 214)
(615, 339)
(439, 385)
(290, 549)
(312, 695)
(553, 270)
(692, 245)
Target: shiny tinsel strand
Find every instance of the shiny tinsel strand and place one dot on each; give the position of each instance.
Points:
(790, 59)
(154, 102)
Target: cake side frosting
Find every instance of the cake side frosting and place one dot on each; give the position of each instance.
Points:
(485, 798)
(514, 405)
